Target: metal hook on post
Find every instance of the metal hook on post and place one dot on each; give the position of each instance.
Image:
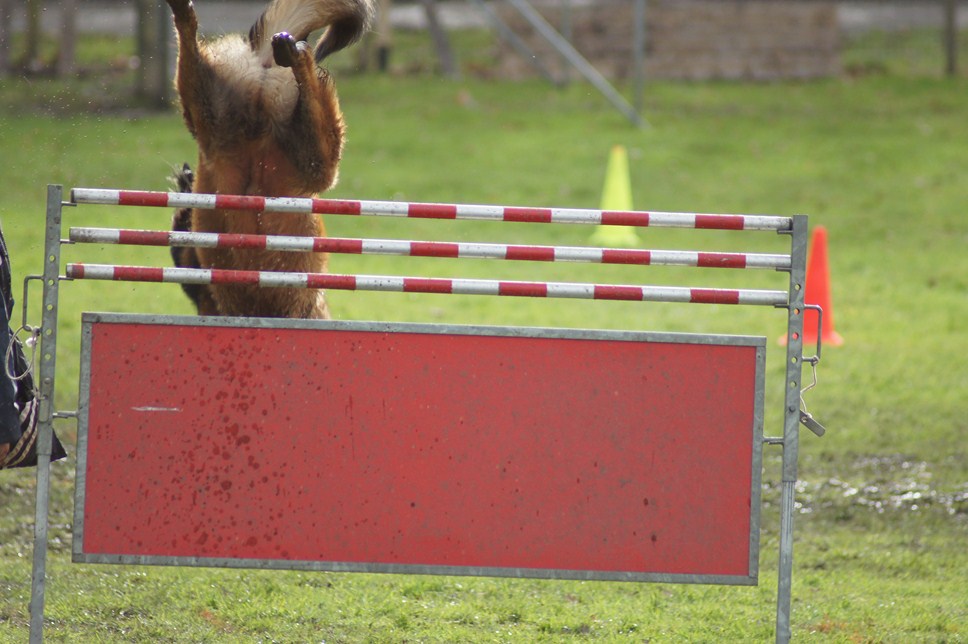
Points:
(806, 418)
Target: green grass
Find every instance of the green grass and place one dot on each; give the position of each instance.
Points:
(877, 159)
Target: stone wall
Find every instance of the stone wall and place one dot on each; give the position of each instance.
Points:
(689, 39)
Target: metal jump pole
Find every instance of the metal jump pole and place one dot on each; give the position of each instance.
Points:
(579, 62)
(638, 53)
(45, 422)
(515, 41)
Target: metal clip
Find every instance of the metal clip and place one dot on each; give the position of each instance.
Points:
(807, 420)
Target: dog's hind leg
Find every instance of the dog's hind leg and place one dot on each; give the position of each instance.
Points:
(181, 221)
(185, 256)
(194, 77)
(313, 140)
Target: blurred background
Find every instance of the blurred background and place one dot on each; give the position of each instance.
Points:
(625, 41)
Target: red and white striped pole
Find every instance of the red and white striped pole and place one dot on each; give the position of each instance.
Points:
(430, 210)
(410, 248)
(428, 285)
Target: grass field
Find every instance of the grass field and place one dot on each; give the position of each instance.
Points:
(879, 160)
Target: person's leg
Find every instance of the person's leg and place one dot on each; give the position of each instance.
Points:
(18, 404)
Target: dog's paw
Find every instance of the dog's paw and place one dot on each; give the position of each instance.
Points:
(286, 50)
(183, 178)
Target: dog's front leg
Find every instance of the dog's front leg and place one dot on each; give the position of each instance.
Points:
(313, 141)
(193, 76)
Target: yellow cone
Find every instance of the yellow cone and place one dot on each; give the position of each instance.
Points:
(616, 195)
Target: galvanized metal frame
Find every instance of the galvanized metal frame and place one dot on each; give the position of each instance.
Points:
(789, 440)
(791, 422)
(45, 421)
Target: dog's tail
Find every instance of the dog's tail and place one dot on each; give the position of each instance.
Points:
(346, 21)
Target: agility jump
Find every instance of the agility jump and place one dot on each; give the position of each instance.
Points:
(458, 450)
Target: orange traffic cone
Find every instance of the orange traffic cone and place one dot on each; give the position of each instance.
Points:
(818, 293)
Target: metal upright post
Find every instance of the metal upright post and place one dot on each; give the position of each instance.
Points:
(791, 423)
(568, 32)
(515, 41)
(638, 55)
(45, 422)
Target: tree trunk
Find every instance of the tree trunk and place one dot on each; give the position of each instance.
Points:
(66, 55)
(951, 37)
(445, 54)
(31, 57)
(153, 34)
(384, 36)
(6, 32)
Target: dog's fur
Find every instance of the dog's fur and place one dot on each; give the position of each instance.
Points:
(267, 122)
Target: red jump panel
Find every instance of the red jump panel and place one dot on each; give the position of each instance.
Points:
(406, 448)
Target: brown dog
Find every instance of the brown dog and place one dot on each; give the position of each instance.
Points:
(267, 122)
